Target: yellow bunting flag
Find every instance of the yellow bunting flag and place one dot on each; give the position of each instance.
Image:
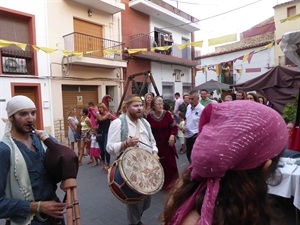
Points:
(67, 52)
(197, 44)
(4, 43)
(109, 51)
(248, 57)
(223, 39)
(132, 51)
(290, 18)
(239, 71)
(21, 45)
(218, 69)
(182, 46)
(91, 52)
(44, 49)
(162, 48)
(77, 54)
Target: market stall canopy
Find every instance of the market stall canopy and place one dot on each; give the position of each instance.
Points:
(278, 85)
(212, 85)
(290, 46)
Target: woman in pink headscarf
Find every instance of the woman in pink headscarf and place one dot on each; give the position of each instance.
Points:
(238, 147)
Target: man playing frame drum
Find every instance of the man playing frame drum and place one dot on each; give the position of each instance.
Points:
(131, 130)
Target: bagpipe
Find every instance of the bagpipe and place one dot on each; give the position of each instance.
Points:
(61, 162)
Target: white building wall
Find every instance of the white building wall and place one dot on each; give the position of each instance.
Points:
(38, 9)
(163, 73)
(5, 90)
(177, 33)
(263, 60)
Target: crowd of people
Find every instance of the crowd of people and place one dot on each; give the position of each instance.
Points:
(212, 190)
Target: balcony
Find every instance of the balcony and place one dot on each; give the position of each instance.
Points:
(167, 13)
(97, 52)
(171, 56)
(109, 6)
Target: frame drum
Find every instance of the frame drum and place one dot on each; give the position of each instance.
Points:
(134, 175)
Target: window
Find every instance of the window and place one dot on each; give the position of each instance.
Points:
(168, 91)
(162, 38)
(19, 27)
(291, 11)
(186, 88)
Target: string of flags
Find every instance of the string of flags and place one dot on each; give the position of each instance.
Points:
(247, 57)
(108, 51)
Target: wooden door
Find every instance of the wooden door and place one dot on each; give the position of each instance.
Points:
(32, 92)
(88, 37)
(70, 95)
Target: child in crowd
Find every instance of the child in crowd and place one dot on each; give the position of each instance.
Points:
(94, 149)
(180, 133)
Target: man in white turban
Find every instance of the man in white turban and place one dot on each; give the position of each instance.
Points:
(27, 194)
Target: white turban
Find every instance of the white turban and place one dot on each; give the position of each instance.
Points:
(16, 104)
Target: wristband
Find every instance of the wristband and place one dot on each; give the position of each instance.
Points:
(38, 207)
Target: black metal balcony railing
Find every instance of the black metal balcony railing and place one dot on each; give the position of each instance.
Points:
(93, 46)
(16, 61)
(146, 41)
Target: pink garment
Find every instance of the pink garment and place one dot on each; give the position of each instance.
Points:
(237, 135)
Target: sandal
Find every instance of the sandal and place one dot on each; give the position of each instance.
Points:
(91, 161)
(106, 168)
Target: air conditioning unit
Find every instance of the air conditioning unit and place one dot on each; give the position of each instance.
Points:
(14, 65)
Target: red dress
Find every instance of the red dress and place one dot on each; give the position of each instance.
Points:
(162, 128)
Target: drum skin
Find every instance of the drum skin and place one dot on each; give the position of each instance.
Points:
(136, 174)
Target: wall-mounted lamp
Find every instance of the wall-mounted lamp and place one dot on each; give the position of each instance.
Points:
(90, 12)
(182, 74)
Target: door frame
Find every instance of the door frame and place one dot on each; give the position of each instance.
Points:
(36, 90)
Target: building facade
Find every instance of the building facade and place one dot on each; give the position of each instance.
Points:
(73, 55)
(156, 30)
(23, 70)
(281, 12)
(243, 60)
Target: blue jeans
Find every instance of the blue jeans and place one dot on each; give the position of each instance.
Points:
(104, 154)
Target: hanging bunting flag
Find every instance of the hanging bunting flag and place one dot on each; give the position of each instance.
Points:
(21, 45)
(67, 52)
(77, 54)
(197, 44)
(248, 57)
(239, 58)
(132, 51)
(182, 46)
(91, 52)
(290, 18)
(223, 39)
(44, 49)
(268, 46)
(162, 48)
(4, 43)
(239, 71)
(109, 51)
(218, 69)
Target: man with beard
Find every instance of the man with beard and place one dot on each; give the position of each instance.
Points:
(132, 130)
(27, 194)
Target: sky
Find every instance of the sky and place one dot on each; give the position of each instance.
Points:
(250, 13)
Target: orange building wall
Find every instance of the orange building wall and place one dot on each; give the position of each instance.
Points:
(134, 22)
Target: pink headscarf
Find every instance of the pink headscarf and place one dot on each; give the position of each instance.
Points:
(237, 135)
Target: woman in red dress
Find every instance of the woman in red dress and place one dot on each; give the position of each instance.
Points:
(164, 130)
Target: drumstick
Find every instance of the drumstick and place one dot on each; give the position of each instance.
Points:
(143, 143)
